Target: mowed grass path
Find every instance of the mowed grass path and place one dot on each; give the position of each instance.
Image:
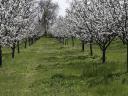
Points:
(49, 68)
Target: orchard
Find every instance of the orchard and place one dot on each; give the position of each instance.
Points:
(82, 52)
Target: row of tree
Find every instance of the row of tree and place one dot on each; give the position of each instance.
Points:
(94, 21)
(18, 24)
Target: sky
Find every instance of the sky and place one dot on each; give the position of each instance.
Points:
(63, 4)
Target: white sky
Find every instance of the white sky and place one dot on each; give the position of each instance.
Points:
(63, 4)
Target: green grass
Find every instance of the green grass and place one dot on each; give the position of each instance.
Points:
(51, 69)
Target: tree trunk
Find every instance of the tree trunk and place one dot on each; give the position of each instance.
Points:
(127, 56)
(25, 43)
(91, 51)
(82, 45)
(73, 42)
(32, 41)
(45, 33)
(29, 41)
(13, 51)
(104, 56)
(0, 56)
(18, 47)
(66, 41)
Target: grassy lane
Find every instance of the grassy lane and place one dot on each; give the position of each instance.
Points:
(50, 69)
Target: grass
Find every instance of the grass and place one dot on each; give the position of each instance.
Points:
(49, 68)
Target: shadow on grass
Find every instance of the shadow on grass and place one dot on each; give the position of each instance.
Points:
(64, 77)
